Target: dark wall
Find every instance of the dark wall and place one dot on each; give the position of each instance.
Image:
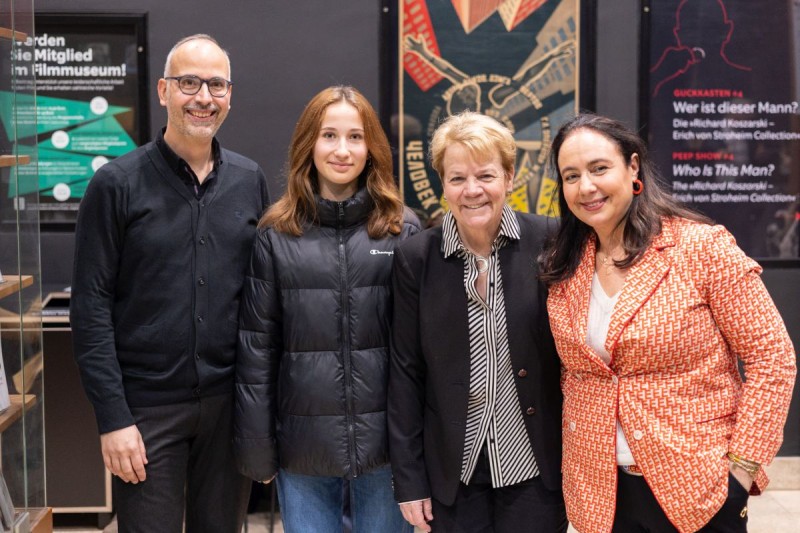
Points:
(617, 60)
(283, 53)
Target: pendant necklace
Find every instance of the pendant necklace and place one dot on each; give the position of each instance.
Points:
(607, 261)
(481, 263)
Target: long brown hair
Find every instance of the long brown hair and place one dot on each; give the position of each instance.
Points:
(297, 206)
(562, 254)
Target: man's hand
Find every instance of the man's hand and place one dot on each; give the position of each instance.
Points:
(124, 454)
(418, 514)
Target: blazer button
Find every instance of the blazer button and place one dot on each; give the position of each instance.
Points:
(572, 426)
(522, 373)
(638, 435)
(614, 380)
(530, 411)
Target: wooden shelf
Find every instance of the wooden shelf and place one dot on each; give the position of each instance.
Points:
(6, 33)
(14, 412)
(14, 284)
(14, 160)
(41, 519)
(11, 323)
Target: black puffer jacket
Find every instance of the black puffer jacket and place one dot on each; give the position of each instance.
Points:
(312, 359)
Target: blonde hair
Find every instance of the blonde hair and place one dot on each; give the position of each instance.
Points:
(481, 135)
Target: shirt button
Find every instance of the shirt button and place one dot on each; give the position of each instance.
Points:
(638, 435)
(197, 356)
(202, 240)
(201, 282)
(614, 380)
(199, 318)
(572, 426)
(522, 373)
(530, 411)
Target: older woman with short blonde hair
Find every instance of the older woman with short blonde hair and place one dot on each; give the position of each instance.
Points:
(474, 401)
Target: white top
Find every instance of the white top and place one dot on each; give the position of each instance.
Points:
(601, 306)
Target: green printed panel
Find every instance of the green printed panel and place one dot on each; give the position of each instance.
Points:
(101, 137)
(56, 167)
(17, 112)
(51, 113)
(24, 179)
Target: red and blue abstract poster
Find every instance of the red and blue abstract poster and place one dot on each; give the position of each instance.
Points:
(514, 60)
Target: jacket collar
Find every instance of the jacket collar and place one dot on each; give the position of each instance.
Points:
(642, 280)
(451, 241)
(351, 212)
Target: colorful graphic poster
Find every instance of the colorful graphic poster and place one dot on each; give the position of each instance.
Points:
(724, 118)
(89, 106)
(514, 60)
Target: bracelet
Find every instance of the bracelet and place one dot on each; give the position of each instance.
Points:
(751, 467)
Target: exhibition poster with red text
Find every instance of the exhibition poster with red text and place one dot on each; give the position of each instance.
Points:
(724, 122)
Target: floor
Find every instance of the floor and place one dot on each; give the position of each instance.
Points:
(776, 511)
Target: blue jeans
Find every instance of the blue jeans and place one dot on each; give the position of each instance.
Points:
(314, 504)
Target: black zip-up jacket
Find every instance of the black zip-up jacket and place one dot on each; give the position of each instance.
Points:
(156, 283)
(313, 352)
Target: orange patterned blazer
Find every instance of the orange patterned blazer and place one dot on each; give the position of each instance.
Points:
(689, 307)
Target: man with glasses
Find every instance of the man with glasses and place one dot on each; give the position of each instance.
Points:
(163, 239)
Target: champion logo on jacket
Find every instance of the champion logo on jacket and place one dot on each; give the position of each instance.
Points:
(381, 252)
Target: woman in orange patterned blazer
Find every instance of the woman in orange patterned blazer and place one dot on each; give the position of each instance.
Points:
(650, 306)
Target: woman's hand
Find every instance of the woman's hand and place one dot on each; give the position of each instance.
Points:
(744, 477)
(418, 513)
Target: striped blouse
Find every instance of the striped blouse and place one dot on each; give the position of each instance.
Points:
(494, 416)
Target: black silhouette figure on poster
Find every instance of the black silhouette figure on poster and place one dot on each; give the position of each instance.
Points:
(702, 32)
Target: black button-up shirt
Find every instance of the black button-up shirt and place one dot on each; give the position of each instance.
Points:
(182, 168)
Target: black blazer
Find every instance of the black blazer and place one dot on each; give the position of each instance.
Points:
(429, 366)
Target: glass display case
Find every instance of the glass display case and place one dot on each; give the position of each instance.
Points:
(22, 491)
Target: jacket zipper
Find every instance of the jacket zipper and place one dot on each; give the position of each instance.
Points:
(348, 378)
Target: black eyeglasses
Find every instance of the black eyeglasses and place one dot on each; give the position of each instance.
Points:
(191, 84)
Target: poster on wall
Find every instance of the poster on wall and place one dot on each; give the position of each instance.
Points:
(514, 60)
(91, 106)
(723, 114)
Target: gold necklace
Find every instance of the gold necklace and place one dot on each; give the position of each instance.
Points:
(607, 261)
